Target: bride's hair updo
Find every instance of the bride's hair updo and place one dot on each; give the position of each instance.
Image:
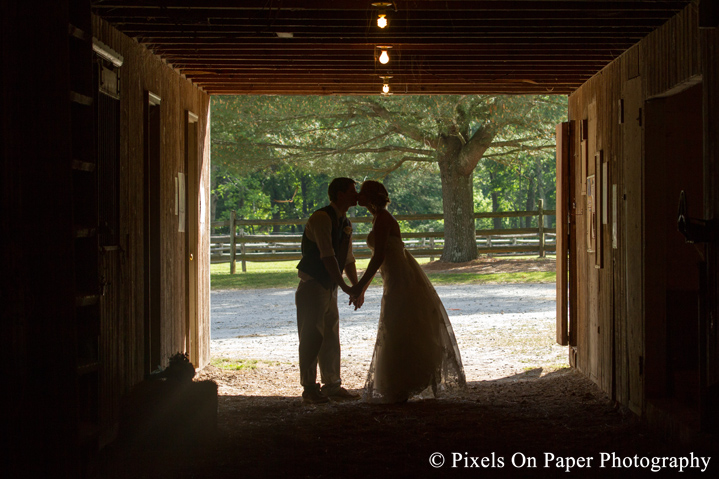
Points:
(376, 193)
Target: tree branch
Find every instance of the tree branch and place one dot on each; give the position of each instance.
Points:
(406, 130)
(516, 142)
(519, 150)
(389, 169)
(381, 149)
(291, 200)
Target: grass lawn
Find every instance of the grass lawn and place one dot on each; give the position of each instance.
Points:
(283, 274)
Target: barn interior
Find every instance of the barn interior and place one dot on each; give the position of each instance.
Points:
(106, 182)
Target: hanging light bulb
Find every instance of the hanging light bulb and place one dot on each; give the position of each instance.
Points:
(385, 85)
(383, 57)
(382, 21)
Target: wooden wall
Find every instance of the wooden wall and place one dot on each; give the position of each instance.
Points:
(709, 331)
(36, 243)
(123, 339)
(609, 113)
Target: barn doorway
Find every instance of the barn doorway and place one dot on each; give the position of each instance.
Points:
(673, 142)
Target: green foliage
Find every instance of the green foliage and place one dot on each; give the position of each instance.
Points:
(273, 156)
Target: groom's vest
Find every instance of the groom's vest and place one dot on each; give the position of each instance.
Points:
(312, 264)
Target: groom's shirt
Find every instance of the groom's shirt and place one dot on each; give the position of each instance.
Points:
(319, 230)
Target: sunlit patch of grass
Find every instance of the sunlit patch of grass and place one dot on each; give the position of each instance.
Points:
(240, 364)
(493, 278)
(263, 275)
(283, 274)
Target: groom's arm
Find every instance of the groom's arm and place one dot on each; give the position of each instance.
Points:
(320, 226)
(351, 272)
(333, 269)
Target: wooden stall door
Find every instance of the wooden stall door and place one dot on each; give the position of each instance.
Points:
(191, 237)
(563, 175)
(152, 233)
(632, 237)
(108, 174)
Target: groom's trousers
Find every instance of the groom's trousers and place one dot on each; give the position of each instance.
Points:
(318, 325)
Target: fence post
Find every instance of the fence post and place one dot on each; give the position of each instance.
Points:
(489, 246)
(540, 223)
(233, 243)
(242, 250)
(431, 244)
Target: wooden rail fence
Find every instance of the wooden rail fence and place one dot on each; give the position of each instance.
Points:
(243, 247)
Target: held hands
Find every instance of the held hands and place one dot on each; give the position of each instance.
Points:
(355, 291)
(356, 294)
(358, 301)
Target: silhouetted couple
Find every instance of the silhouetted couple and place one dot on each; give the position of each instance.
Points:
(415, 350)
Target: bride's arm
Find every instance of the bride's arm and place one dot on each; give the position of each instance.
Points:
(381, 234)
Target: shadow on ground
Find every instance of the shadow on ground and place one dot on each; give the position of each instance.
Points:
(504, 424)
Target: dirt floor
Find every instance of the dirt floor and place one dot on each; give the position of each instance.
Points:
(541, 423)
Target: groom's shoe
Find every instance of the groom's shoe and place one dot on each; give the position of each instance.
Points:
(313, 395)
(339, 392)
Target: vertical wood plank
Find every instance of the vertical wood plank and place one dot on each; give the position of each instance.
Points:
(592, 277)
(562, 215)
(632, 240)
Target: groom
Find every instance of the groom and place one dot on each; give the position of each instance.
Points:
(326, 253)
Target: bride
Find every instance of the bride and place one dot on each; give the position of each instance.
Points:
(416, 350)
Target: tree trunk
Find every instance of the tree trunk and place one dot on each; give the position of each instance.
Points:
(496, 222)
(541, 193)
(460, 244)
(303, 190)
(213, 195)
(276, 213)
(530, 202)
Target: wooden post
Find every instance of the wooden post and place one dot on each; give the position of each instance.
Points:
(431, 244)
(242, 250)
(233, 243)
(489, 245)
(540, 223)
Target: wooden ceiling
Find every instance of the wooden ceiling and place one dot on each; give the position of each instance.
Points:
(328, 47)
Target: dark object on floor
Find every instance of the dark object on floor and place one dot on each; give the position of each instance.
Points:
(169, 408)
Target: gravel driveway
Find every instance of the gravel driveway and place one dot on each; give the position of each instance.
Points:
(501, 329)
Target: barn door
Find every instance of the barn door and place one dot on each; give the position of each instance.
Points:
(191, 236)
(151, 233)
(631, 241)
(563, 195)
(108, 176)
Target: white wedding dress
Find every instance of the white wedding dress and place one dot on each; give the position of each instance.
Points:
(416, 350)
